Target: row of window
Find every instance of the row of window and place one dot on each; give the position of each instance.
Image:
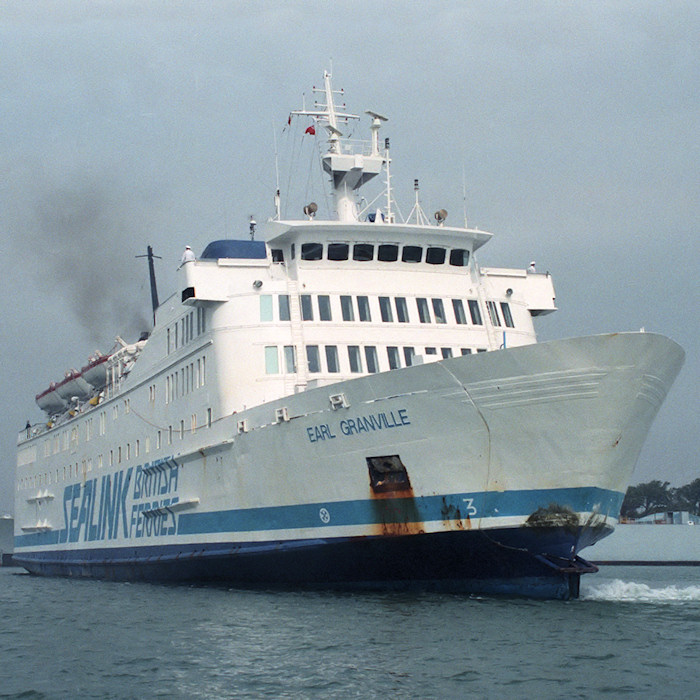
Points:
(320, 307)
(186, 329)
(350, 359)
(177, 384)
(185, 380)
(116, 456)
(383, 252)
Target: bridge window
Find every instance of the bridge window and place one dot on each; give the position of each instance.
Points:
(311, 251)
(338, 251)
(446, 352)
(459, 257)
(409, 355)
(411, 254)
(388, 252)
(435, 256)
(363, 252)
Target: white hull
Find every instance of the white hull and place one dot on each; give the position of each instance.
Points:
(532, 446)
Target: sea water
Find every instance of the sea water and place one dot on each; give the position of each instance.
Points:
(634, 632)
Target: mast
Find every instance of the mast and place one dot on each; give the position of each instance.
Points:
(348, 170)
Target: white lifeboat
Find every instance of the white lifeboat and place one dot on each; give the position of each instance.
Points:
(95, 372)
(49, 400)
(73, 385)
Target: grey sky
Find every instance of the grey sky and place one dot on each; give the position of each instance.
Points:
(134, 123)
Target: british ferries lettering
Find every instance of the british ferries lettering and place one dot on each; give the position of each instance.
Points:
(121, 504)
(361, 424)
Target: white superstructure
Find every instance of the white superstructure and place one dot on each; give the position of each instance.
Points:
(345, 401)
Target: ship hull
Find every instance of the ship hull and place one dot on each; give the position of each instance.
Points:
(506, 465)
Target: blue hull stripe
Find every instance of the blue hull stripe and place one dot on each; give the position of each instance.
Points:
(376, 512)
(399, 510)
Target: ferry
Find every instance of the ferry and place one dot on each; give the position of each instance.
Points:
(342, 403)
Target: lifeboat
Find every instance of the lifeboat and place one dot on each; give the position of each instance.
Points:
(95, 372)
(49, 400)
(73, 385)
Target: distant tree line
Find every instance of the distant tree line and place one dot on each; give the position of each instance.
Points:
(659, 496)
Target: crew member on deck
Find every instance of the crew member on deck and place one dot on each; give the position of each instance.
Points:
(532, 267)
(187, 256)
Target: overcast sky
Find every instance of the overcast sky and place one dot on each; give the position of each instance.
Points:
(133, 123)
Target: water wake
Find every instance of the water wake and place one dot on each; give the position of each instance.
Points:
(629, 591)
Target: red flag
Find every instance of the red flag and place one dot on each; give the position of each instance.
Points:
(289, 121)
(310, 130)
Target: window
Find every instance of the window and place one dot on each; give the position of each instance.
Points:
(459, 257)
(409, 355)
(355, 358)
(311, 251)
(324, 307)
(292, 251)
(458, 307)
(271, 360)
(401, 309)
(446, 352)
(388, 252)
(168, 341)
(313, 358)
(371, 359)
(332, 358)
(290, 362)
(431, 351)
(266, 307)
(385, 309)
(283, 304)
(208, 418)
(474, 312)
(182, 429)
(346, 308)
(363, 309)
(411, 253)
(392, 354)
(507, 316)
(439, 311)
(363, 252)
(493, 313)
(338, 251)
(277, 255)
(423, 310)
(481, 349)
(307, 312)
(435, 256)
